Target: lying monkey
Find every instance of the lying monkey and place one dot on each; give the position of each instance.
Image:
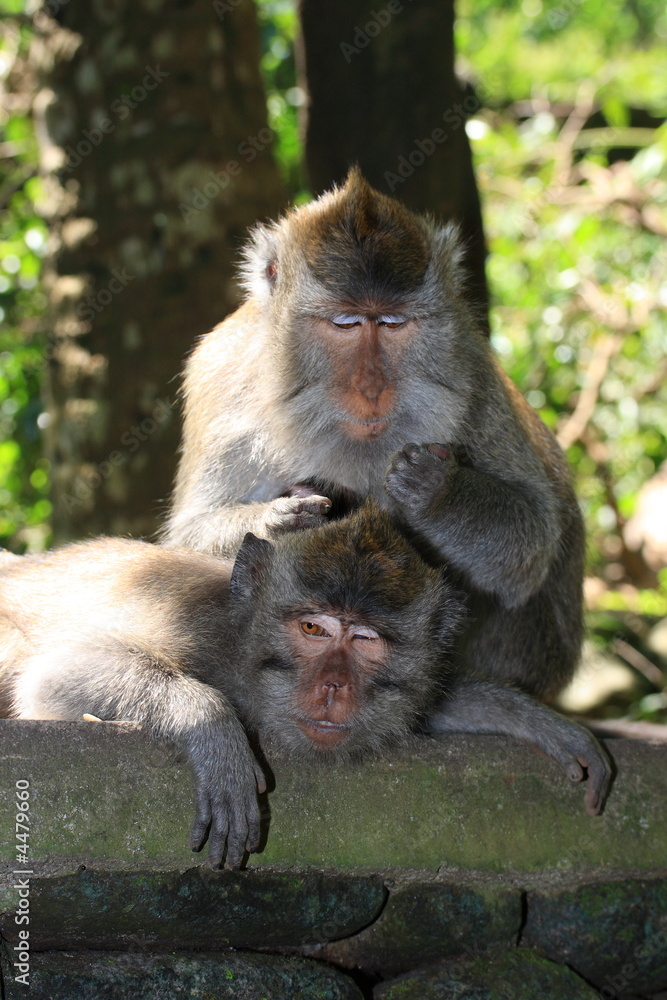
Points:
(327, 643)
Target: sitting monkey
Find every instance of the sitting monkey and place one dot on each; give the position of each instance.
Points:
(356, 368)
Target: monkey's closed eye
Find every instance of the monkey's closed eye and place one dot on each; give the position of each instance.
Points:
(312, 628)
(365, 633)
(344, 321)
(391, 322)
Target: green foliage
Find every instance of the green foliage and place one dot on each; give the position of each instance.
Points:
(554, 48)
(575, 208)
(24, 480)
(577, 266)
(279, 25)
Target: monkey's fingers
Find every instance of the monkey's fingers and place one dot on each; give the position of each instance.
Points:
(260, 779)
(218, 839)
(440, 450)
(417, 475)
(254, 835)
(202, 821)
(409, 452)
(589, 764)
(294, 513)
(235, 830)
(597, 785)
(314, 504)
(413, 452)
(244, 832)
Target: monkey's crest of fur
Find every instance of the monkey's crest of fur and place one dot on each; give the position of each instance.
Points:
(356, 242)
(383, 574)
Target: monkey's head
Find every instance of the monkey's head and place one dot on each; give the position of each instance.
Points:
(363, 301)
(347, 635)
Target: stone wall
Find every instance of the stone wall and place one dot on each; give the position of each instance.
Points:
(463, 867)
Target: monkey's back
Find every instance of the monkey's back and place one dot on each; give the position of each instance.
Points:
(109, 587)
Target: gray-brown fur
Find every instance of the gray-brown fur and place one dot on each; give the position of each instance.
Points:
(263, 412)
(200, 654)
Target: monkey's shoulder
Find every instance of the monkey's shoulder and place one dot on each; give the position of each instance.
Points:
(238, 332)
(541, 438)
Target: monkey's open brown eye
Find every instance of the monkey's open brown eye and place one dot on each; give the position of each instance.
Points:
(312, 628)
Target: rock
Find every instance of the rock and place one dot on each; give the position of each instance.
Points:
(613, 934)
(423, 923)
(198, 908)
(516, 975)
(103, 796)
(110, 976)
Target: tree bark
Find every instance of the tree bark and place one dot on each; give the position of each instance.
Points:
(382, 93)
(156, 157)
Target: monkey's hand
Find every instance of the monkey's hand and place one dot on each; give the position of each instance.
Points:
(294, 513)
(227, 782)
(486, 707)
(581, 757)
(417, 476)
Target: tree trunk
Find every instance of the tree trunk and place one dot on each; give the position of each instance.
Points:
(156, 157)
(383, 94)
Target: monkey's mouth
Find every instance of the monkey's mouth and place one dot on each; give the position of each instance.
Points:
(323, 731)
(361, 429)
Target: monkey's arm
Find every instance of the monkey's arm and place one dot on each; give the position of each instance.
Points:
(503, 535)
(483, 707)
(220, 531)
(103, 677)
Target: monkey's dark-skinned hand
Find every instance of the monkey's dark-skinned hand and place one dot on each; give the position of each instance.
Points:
(294, 513)
(417, 476)
(581, 757)
(227, 808)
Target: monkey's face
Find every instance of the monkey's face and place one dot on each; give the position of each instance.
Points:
(336, 686)
(356, 291)
(343, 633)
(364, 352)
(336, 662)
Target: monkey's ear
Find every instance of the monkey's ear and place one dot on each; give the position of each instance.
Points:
(259, 269)
(251, 560)
(448, 246)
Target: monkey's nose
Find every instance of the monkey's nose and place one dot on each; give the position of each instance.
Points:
(332, 692)
(329, 690)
